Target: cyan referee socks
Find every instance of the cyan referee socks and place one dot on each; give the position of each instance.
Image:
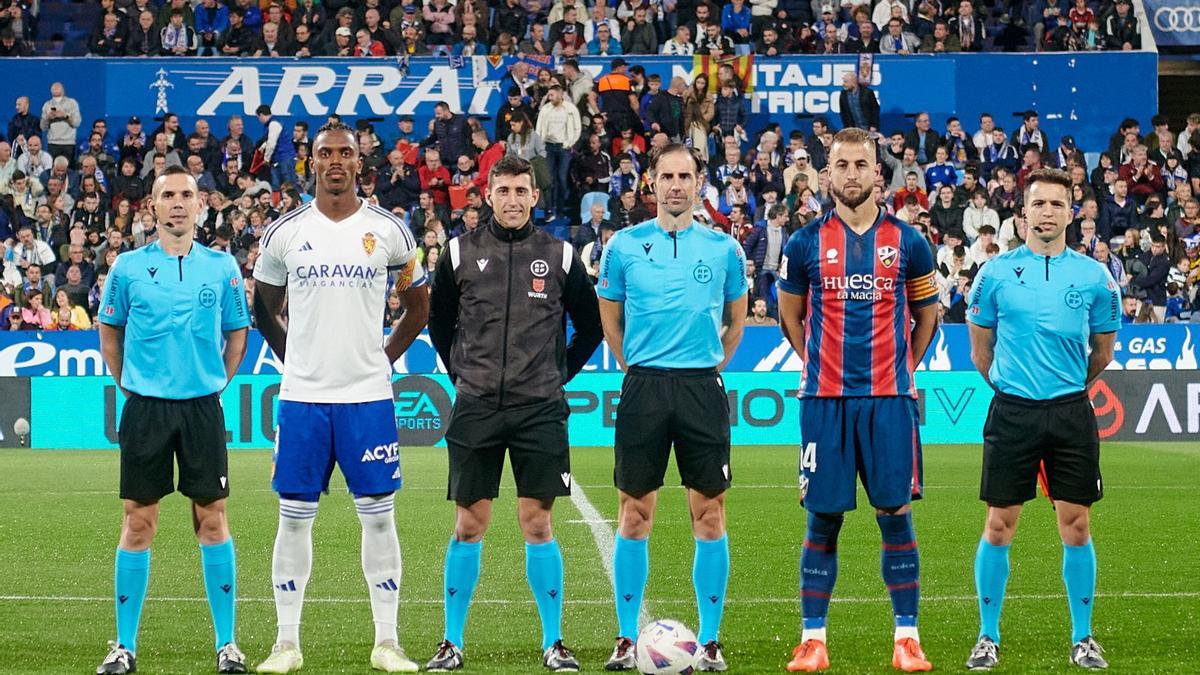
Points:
(710, 577)
(544, 570)
(991, 578)
(220, 585)
(462, 573)
(631, 567)
(132, 577)
(1079, 575)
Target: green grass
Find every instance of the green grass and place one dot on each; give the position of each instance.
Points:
(59, 519)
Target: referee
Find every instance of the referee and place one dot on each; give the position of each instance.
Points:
(673, 302)
(173, 321)
(498, 307)
(1043, 319)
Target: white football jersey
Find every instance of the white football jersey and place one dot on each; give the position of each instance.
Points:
(336, 277)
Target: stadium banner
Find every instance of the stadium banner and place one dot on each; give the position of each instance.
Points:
(786, 90)
(14, 405)
(763, 409)
(1175, 23)
(1147, 406)
(763, 349)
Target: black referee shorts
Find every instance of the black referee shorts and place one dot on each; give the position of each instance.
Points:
(535, 436)
(1021, 433)
(154, 432)
(686, 408)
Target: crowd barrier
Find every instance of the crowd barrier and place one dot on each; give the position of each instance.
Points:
(1072, 92)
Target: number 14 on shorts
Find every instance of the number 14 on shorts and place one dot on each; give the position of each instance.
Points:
(808, 463)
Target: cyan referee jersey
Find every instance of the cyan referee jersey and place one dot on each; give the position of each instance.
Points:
(1044, 311)
(674, 286)
(174, 310)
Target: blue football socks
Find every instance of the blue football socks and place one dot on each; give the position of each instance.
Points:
(544, 570)
(818, 567)
(991, 578)
(220, 585)
(901, 566)
(132, 577)
(631, 567)
(1079, 575)
(461, 575)
(710, 577)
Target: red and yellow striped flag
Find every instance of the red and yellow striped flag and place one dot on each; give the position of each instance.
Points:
(743, 68)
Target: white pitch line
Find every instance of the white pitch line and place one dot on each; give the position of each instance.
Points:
(608, 601)
(605, 541)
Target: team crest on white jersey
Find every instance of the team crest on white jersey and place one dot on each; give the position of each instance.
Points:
(368, 242)
(887, 255)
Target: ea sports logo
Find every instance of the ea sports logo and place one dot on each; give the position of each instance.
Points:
(539, 268)
(422, 409)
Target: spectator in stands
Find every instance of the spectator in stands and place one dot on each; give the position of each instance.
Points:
(34, 316)
(866, 42)
(435, 178)
(1030, 133)
(60, 120)
(941, 172)
(1141, 175)
(26, 193)
(109, 38)
(366, 46)
(946, 215)
(23, 125)
(679, 45)
(73, 286)
(160, 147)
(439, 22)
(1153, 281)
(714, 42)
(240, 39)
(736, 18)
(1119, 211)
(968, 27)
(449, 133)
(212, 20)
(145, 39)
(10, 46)
(898, 40)
(604, 44)
(923, 139)
(638, 35)
(178, 39)
(590, 230)
(911, 188)
(977, 215)
(941, 40)
(8, 166)
(1121, 29)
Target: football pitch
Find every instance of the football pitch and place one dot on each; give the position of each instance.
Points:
(60, 516)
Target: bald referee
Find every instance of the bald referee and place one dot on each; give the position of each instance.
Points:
(673, 304)
(1043, 319)
(173, 321)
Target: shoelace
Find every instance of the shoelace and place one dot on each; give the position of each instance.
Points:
(116, 653)
(1092, 648)
(985, 649)
(444, 650)
(623, 647)
(712, 649)
(231, 652)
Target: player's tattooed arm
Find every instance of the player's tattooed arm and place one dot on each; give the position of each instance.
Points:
(268, 315)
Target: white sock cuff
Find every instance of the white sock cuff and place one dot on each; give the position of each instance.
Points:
(374, 506)
(297, 510)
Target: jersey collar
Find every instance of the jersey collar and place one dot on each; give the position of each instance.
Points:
(678, 234)
(504, 234)
(155, 248)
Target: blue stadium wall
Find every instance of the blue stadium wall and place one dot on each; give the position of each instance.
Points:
(1084, 94)
(58, 382)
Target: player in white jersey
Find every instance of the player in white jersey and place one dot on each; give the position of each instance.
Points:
(330, 260)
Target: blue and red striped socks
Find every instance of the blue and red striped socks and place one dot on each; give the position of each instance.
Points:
(901, 567)
(818, 571)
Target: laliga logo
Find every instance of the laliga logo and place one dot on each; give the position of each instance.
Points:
(1177, 19)
(1104, 402)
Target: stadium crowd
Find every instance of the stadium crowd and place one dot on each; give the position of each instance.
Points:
(73, 197)
(572, 28)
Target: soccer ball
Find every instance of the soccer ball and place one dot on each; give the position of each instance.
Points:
(667, 647)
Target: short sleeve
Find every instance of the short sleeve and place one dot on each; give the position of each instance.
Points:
(982, 310)
(793, 272)
(270, 267)
(735, 272)
(402, 256)
(114, 300)
(235, 315)
(611, 284)
(920, 278)
(1105, 313)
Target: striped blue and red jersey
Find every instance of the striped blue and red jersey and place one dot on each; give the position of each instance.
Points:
(859, 289)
